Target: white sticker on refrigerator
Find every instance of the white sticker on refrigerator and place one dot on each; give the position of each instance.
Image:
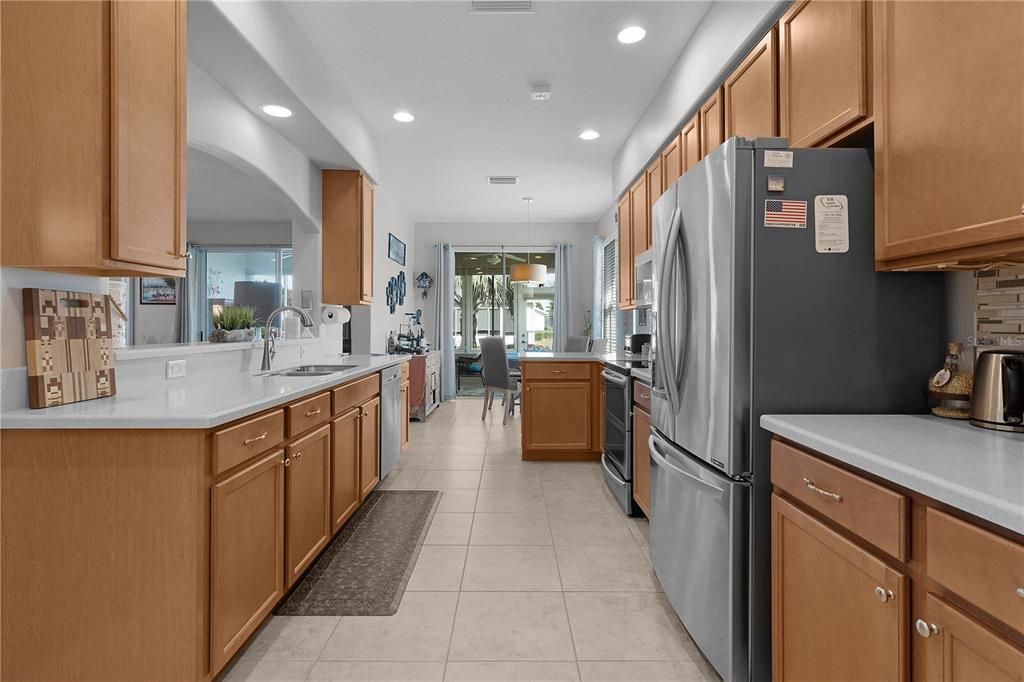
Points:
(785, 213)
(774, 158)
(831, 223)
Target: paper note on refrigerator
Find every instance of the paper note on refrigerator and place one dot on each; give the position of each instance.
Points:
(831, 223)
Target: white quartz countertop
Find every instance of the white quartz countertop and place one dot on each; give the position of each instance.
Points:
(193, 402)
(537, 356)
(976, 470)
(643, 375)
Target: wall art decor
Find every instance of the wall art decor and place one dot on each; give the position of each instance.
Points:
(396, 249)
(401, 288)
(158, 290)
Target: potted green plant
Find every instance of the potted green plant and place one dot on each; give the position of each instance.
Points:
(233, 323)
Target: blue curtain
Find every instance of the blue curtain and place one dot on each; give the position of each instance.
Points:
(444, 317)
(563, 295)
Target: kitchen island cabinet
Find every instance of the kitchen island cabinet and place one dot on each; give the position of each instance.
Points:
(561, 408)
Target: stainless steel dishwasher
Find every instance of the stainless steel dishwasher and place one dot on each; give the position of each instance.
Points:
(390, 418)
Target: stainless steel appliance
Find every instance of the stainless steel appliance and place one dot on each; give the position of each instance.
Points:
(635, 342)
(998, 399)
(390, 418)
(617, 449)
(763, 304)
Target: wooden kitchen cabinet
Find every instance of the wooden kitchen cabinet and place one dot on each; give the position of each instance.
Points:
(307, 501)
(345, 488)
(689, 144)
(246, 553)
(751, 93)
(561, 410)
(93, 124)
(347, 238)
(960, 649)
(404, 418)
(369, 448)
(671, 162)
(824, 70)
(655, 187)
(641, 458)
(625, 247)
(640, 224)
(949, 133)
(838, 613)
(712, 123)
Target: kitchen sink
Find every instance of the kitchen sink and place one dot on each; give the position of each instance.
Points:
(310, 370)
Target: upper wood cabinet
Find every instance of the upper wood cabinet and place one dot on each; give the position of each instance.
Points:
(640, 224)
(751, 93)
(712, 123)
(347, 238)
(625, 248)
(949, 132)
(824, 70)
(307, 500)
(655, 187)
(93, 126)
(671, 162)
(689, 143)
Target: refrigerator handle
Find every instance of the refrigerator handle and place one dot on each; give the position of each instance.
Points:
(665, 320)
(682, 347)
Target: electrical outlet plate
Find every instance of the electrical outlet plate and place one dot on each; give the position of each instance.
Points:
(175, 369)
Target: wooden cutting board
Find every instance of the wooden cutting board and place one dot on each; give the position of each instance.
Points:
(68, 347)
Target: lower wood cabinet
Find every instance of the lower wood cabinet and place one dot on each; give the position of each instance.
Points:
(246, 553)
(641, 460)
(345, 488)
(561, 410)
(960, 649)
(838, 613)
(404, 418)
(369, 449)
(307, 500)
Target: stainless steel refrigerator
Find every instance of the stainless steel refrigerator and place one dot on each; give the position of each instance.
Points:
(766, 301)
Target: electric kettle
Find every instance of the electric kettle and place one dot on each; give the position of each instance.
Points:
(998, 401)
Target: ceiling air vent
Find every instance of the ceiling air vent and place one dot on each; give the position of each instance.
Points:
(502, 179)
(501, 7)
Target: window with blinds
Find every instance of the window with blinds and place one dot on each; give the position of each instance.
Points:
(610, 290)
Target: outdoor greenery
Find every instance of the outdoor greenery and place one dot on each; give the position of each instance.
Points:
(235, 317)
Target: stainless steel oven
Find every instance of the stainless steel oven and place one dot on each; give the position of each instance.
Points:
(617, 457)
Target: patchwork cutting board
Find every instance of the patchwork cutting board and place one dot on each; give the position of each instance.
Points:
(68, 346)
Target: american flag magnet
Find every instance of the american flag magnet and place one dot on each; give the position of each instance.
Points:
(785, 213)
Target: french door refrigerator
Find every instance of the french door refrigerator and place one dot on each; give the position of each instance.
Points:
(766, 301)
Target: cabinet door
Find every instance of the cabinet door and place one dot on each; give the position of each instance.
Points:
(369, 450)
(959, 649)
(838, 613)
(689, 144)
(640, 208)
(246, 553)
(405, 413)
(655, 187)
(641, 460)
(949, 134)
(556, 415)
(625, 246)
(824, 80)
(671, 162)
(147, 115)
(366, 263)
(751, 93)
(307, 500)
(345, 444)
(712, 122)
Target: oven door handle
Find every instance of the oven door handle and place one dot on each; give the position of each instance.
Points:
(613, 378)
(614, 476)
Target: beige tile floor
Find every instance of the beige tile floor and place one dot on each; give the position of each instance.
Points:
(529, 571)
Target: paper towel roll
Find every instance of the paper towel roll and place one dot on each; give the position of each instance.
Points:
(335, 314)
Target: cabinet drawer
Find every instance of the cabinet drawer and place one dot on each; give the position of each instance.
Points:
(307, 413)
(238, 443)
(355, 393)
(642, 395)
(556, 370)
(980, 566)
(873, 512)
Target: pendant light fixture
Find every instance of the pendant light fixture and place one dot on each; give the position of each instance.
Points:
(530, 274)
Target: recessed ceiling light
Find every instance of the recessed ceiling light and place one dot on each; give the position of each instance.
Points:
(276, 110)
(631, 34)
(404, 117)
(589, 135)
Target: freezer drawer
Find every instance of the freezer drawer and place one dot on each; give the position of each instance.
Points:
(621, 489)
(698, 548)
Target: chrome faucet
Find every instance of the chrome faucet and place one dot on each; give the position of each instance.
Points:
(268, 338)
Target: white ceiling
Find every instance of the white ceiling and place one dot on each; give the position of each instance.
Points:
(467, 78)
(219, 192)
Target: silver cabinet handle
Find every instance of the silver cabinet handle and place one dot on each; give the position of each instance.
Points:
(883, 595)
(250, 441)
(645, 396)
(558, 371)
(925, 629)
(832, 496)
(312, 413)
(1020, 592)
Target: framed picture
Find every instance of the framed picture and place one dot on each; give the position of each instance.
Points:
(396, 249)
(158, 290)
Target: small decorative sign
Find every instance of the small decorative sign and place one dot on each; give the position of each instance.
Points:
(158, 290)
(396, 249)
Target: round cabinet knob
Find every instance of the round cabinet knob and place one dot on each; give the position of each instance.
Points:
(287, 462)
(883, 595)
(925, 629)
(1020, 592)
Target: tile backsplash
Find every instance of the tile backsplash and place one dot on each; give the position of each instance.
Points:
(999, 307)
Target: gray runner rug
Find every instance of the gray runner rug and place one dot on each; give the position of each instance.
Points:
(364, 570)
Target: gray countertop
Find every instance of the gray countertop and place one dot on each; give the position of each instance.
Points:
(193, 402)
(978, 471)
